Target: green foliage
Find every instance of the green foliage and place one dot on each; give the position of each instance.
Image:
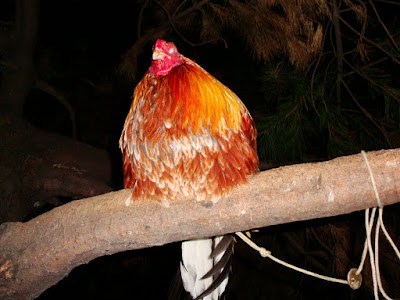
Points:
(347, 100)
(284, 134)
(301, 126)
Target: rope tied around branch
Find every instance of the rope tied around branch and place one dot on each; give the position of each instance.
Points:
(354, 278)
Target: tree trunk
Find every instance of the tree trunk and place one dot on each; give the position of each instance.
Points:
(339, 50)
(17, 81)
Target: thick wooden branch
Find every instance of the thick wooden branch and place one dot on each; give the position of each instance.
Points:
(37, 254)
(36, 166)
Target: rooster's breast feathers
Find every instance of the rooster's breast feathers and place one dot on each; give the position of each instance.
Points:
(186, 134)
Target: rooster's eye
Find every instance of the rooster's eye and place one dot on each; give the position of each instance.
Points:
(171, 51)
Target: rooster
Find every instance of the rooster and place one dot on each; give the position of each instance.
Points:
(186, 134)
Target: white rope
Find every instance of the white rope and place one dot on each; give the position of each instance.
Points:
(265, 253)
(396, 250)
(354, 277)
(374, 253)
(368, 228)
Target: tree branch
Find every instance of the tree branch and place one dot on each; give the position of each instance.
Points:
(339, 51)
(367, 114)
(140, 19)
(37, 254)
(129, 61)
(384, 26)
(36, 166)
(366, 77)
(369, 41)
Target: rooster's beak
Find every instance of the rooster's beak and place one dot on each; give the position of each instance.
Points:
(158, 55)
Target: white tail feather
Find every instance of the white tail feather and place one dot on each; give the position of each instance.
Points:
(196, 262)
(222, 286)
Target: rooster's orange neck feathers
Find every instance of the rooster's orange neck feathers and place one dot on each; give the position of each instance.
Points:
(194, 99)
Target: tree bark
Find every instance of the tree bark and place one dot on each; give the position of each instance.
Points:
(37, 254)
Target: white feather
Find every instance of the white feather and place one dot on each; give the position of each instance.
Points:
(196, 262)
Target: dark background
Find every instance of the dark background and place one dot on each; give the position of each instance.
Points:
(82, 50)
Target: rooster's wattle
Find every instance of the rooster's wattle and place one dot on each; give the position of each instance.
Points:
(188, 134)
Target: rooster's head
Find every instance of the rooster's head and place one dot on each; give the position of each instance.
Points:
(165, 57)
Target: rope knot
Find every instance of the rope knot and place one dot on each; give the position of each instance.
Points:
(264, 252)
